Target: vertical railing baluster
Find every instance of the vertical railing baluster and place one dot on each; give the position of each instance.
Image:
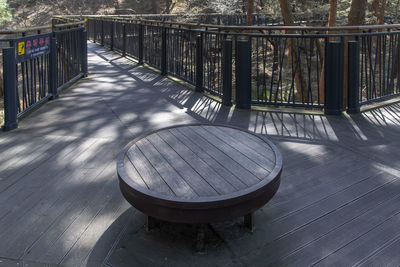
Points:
(112, 33)
(353, 83)
(102, 32)
(141, 40)
(227, 73)
(163, 51)
(84, 54)
(124, 40)
(199, 63)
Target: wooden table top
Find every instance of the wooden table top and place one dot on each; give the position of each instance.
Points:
(199, 163)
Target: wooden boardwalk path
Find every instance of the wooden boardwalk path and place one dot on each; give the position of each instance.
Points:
(338, 203)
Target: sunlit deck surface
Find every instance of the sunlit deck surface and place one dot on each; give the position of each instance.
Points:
(338, 203)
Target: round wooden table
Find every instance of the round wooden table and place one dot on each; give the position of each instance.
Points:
(199, 173)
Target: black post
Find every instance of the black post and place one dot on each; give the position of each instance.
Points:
(164, 51)
(94, 30)
(199, 63)
(353, 82)
(141, 41)
(53, 69)
(227, 73)
(10, 89)
(333, 79)
(123, 39)
(102, 32)
(84, 54)
(243, 74)
(112, 35)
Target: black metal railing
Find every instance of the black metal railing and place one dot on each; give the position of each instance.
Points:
(334, 69)
(70, 54)
(32, 79)
(152, 43)
(37, 66)
(181, 54)
(134, 40)
(118, 40)
(379, 66)
(287, 70)
(212, 62)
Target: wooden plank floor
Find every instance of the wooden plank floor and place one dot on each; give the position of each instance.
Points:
(338, 204)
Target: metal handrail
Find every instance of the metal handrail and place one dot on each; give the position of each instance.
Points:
(247, 28)
(41, 28)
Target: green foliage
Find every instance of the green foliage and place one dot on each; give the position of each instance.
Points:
(5, 12)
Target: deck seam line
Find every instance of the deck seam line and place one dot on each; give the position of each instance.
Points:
(206, 163)
(216, 191)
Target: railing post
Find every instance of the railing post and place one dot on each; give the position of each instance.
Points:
(94, 30)
(84, 54)
(164, 51)
(102, 33)
(10, 89)
(123, 39)
(243, 74)
(334, 79)
(141, 40)
(112, 35)
(53, 69)
(353, 82)
(199, 63)
(227, 73)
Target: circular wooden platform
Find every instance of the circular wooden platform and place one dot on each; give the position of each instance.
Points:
(199, 173)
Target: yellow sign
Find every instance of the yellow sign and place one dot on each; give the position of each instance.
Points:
(21, 48)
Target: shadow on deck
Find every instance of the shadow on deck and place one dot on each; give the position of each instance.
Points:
(339, 200)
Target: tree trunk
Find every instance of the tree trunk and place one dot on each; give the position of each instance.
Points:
(357, 12)
(293, 48)
(249, 12)
(356, 17)
(154, 7)
(332, 12)
(331, 23)
(286, 12)
(375, 8)
(382, 12)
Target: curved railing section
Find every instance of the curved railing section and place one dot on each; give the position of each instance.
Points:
(331, 68)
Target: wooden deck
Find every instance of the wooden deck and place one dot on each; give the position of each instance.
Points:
(338, 203)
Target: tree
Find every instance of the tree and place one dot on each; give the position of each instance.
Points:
(5, 14)
(293, 48)
(249, 12)
(331, 22)
(332, 13)
(357, 12)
